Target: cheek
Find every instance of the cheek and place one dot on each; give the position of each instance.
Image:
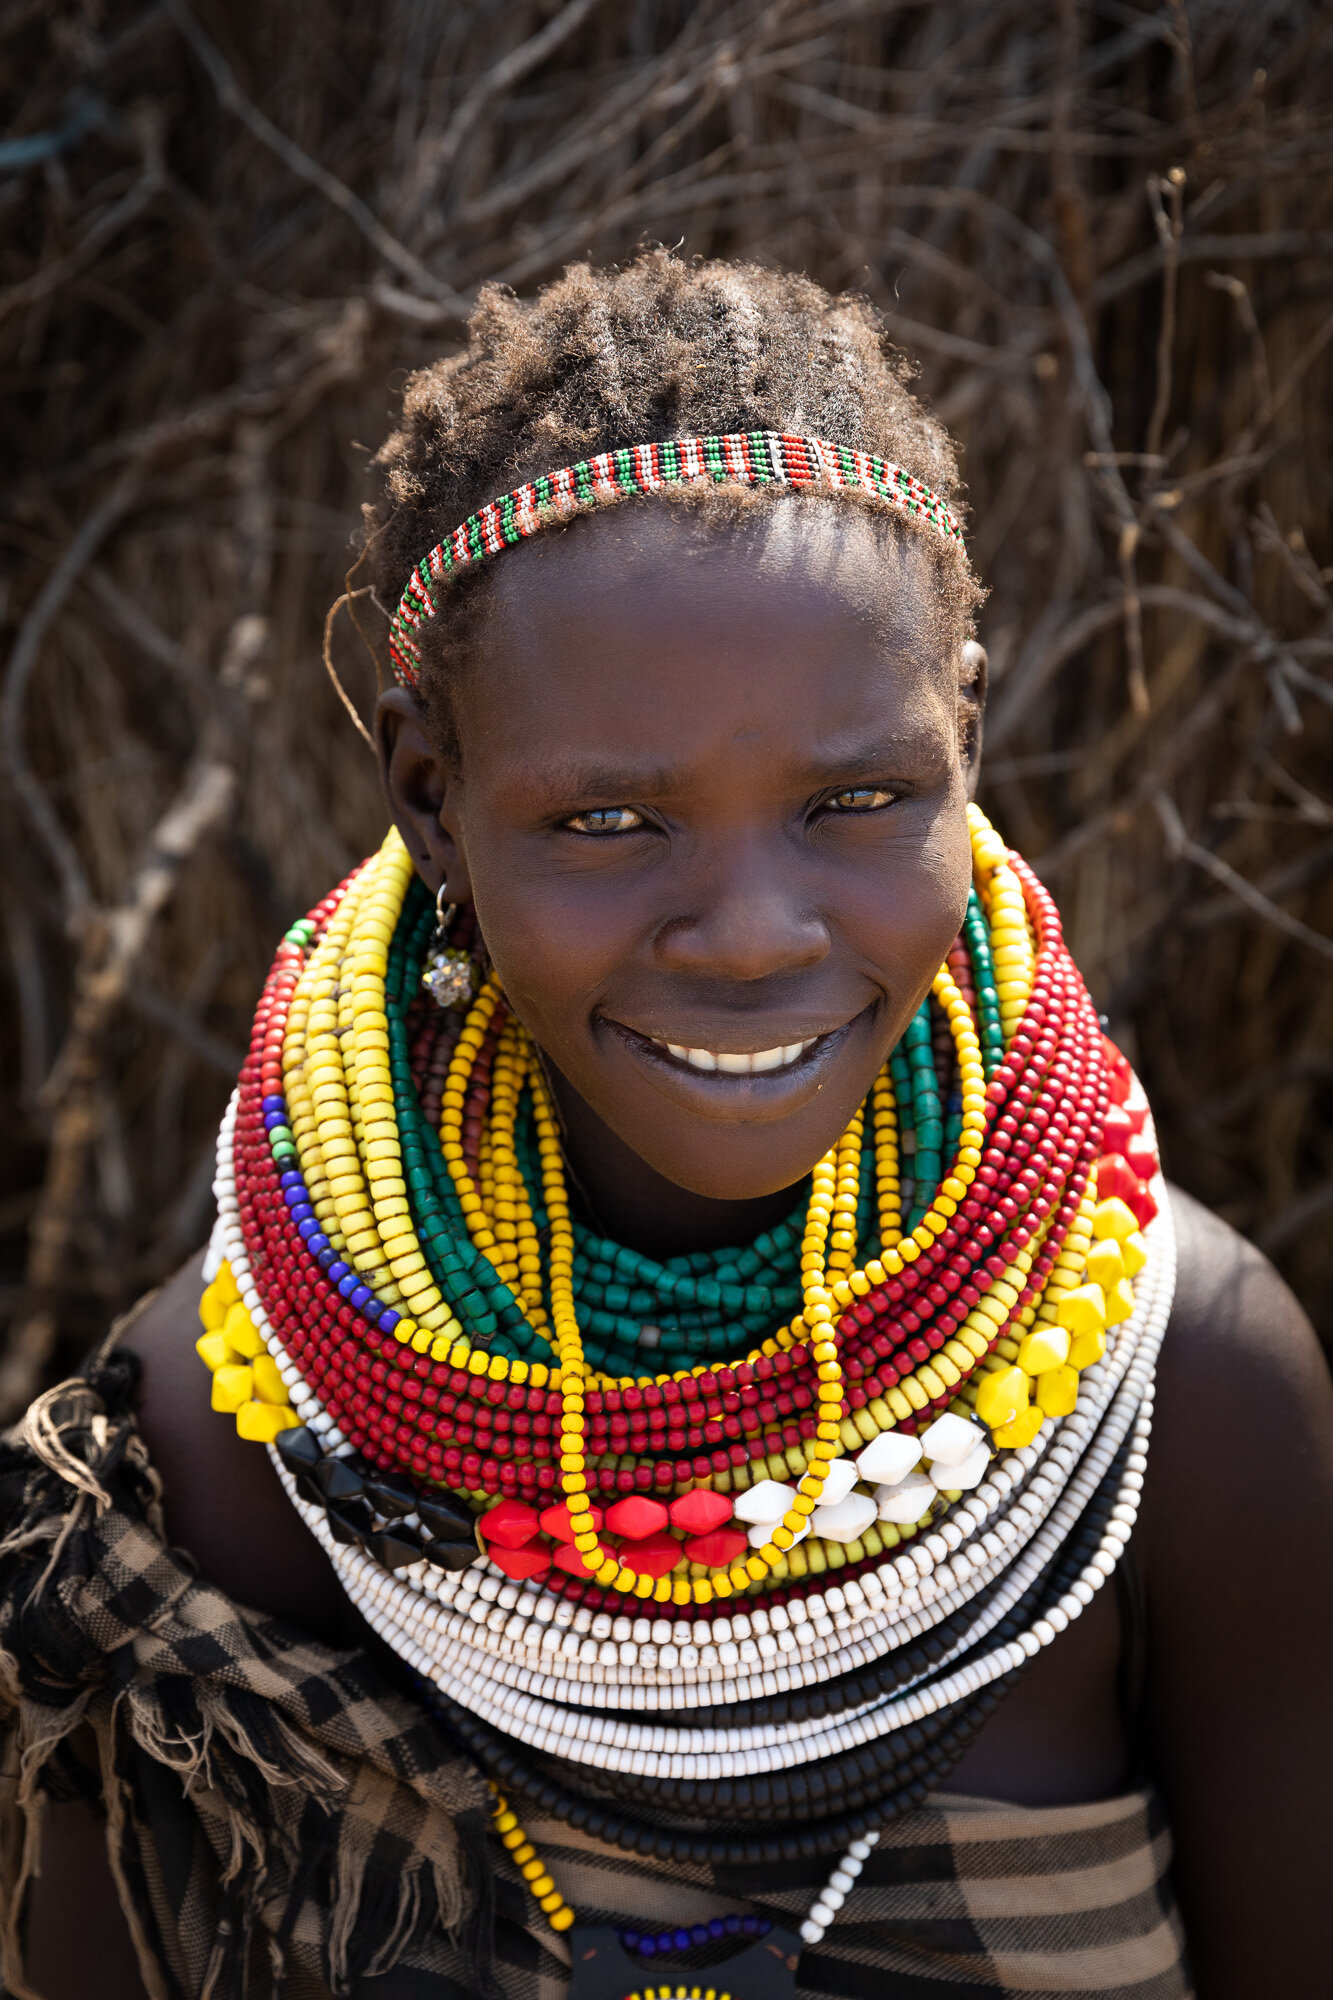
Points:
(553, 938)
(945, 879)
(908, 907)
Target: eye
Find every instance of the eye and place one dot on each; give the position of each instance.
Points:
(859, 798)
(606, 819)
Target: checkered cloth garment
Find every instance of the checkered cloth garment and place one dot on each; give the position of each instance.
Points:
(963, 1899)
(281, 1818)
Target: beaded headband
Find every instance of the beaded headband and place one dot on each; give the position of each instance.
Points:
(744, 458)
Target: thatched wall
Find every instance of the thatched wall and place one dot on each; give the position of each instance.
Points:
(1103, 226)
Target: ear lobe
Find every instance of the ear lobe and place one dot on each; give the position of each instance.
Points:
(972, 680)
(420, 789)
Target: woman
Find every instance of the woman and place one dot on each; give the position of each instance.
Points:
(708, 1364)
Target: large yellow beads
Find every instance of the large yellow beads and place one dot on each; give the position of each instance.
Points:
(246, 1380)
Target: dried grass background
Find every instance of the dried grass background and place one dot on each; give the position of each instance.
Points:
(1104, 228)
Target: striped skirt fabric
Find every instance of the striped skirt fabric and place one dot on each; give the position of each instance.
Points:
(963, 1898)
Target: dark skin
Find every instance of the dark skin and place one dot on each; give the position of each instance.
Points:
(762, 687)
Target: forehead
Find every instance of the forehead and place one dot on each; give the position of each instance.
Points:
(659, 620)
(825, 563)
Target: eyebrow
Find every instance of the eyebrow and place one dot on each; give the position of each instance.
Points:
(864, 759)
(576, 783)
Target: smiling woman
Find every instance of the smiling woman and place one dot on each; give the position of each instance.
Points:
(707, 1295)
(749, 835)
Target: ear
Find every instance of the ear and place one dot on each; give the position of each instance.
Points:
(972, 672)
(422, 790)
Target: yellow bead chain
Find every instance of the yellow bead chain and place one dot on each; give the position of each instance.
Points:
(556, 1910)
(515, 1225)
(888, 1184)
(1012, 946)
(451, 1118)
(530, 1865)
(365, 1019)
(302, 1075)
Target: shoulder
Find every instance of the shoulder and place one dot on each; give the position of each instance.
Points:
(222, 1499)
(1230, 1300)
(1241, 1458)
(1240, 1358)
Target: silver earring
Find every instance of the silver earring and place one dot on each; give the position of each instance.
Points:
(448, 975)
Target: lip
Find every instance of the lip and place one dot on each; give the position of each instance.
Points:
(712, 1091)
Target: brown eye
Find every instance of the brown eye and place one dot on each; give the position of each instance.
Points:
(861, 798)
(606, 819)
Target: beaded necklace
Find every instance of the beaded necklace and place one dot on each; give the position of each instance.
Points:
(759, 1537)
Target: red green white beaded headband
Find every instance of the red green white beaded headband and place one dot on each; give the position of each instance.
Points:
(745, 458)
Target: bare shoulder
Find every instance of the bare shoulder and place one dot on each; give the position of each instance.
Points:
(222, 1498)
(1229, 1296)
(1242, 1385)
(1243, 1424)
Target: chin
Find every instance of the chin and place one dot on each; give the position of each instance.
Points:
(727, 1163)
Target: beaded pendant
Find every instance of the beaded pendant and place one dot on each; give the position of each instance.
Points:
(448, 974)
(450, 977)
(602, 1969)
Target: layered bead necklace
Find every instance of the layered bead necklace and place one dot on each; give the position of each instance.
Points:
(756, 1538)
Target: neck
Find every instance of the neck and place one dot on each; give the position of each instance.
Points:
(632, 1204)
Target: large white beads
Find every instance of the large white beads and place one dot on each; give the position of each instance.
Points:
(846, 1520)
(907, 1501)
(950, 1439)
(838, 1482)
(962, 1477)
(766, 1503)
(890, 1458)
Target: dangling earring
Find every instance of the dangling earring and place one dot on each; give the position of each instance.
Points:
(449, 975)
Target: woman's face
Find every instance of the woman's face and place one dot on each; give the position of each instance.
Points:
(709, 804)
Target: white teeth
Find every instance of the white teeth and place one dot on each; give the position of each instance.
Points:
(739, 1065)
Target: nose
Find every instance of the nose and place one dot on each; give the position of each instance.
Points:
(748, 920)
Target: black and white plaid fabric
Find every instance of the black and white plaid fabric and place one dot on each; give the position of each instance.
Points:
(285, 1820)
(282, 1818)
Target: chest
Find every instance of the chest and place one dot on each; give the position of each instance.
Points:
(1063, 1733)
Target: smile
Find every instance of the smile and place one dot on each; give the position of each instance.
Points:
(752, 1077)
(736, 1063)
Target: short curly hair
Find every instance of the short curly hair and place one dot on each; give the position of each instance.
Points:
(655, 349)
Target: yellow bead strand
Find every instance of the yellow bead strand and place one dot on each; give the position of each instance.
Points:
(530, 1865)
(301, 1074)
(1012, 948)
(888, 1183)
(367, 1023)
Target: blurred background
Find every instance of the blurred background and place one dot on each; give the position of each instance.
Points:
(1103, 228)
